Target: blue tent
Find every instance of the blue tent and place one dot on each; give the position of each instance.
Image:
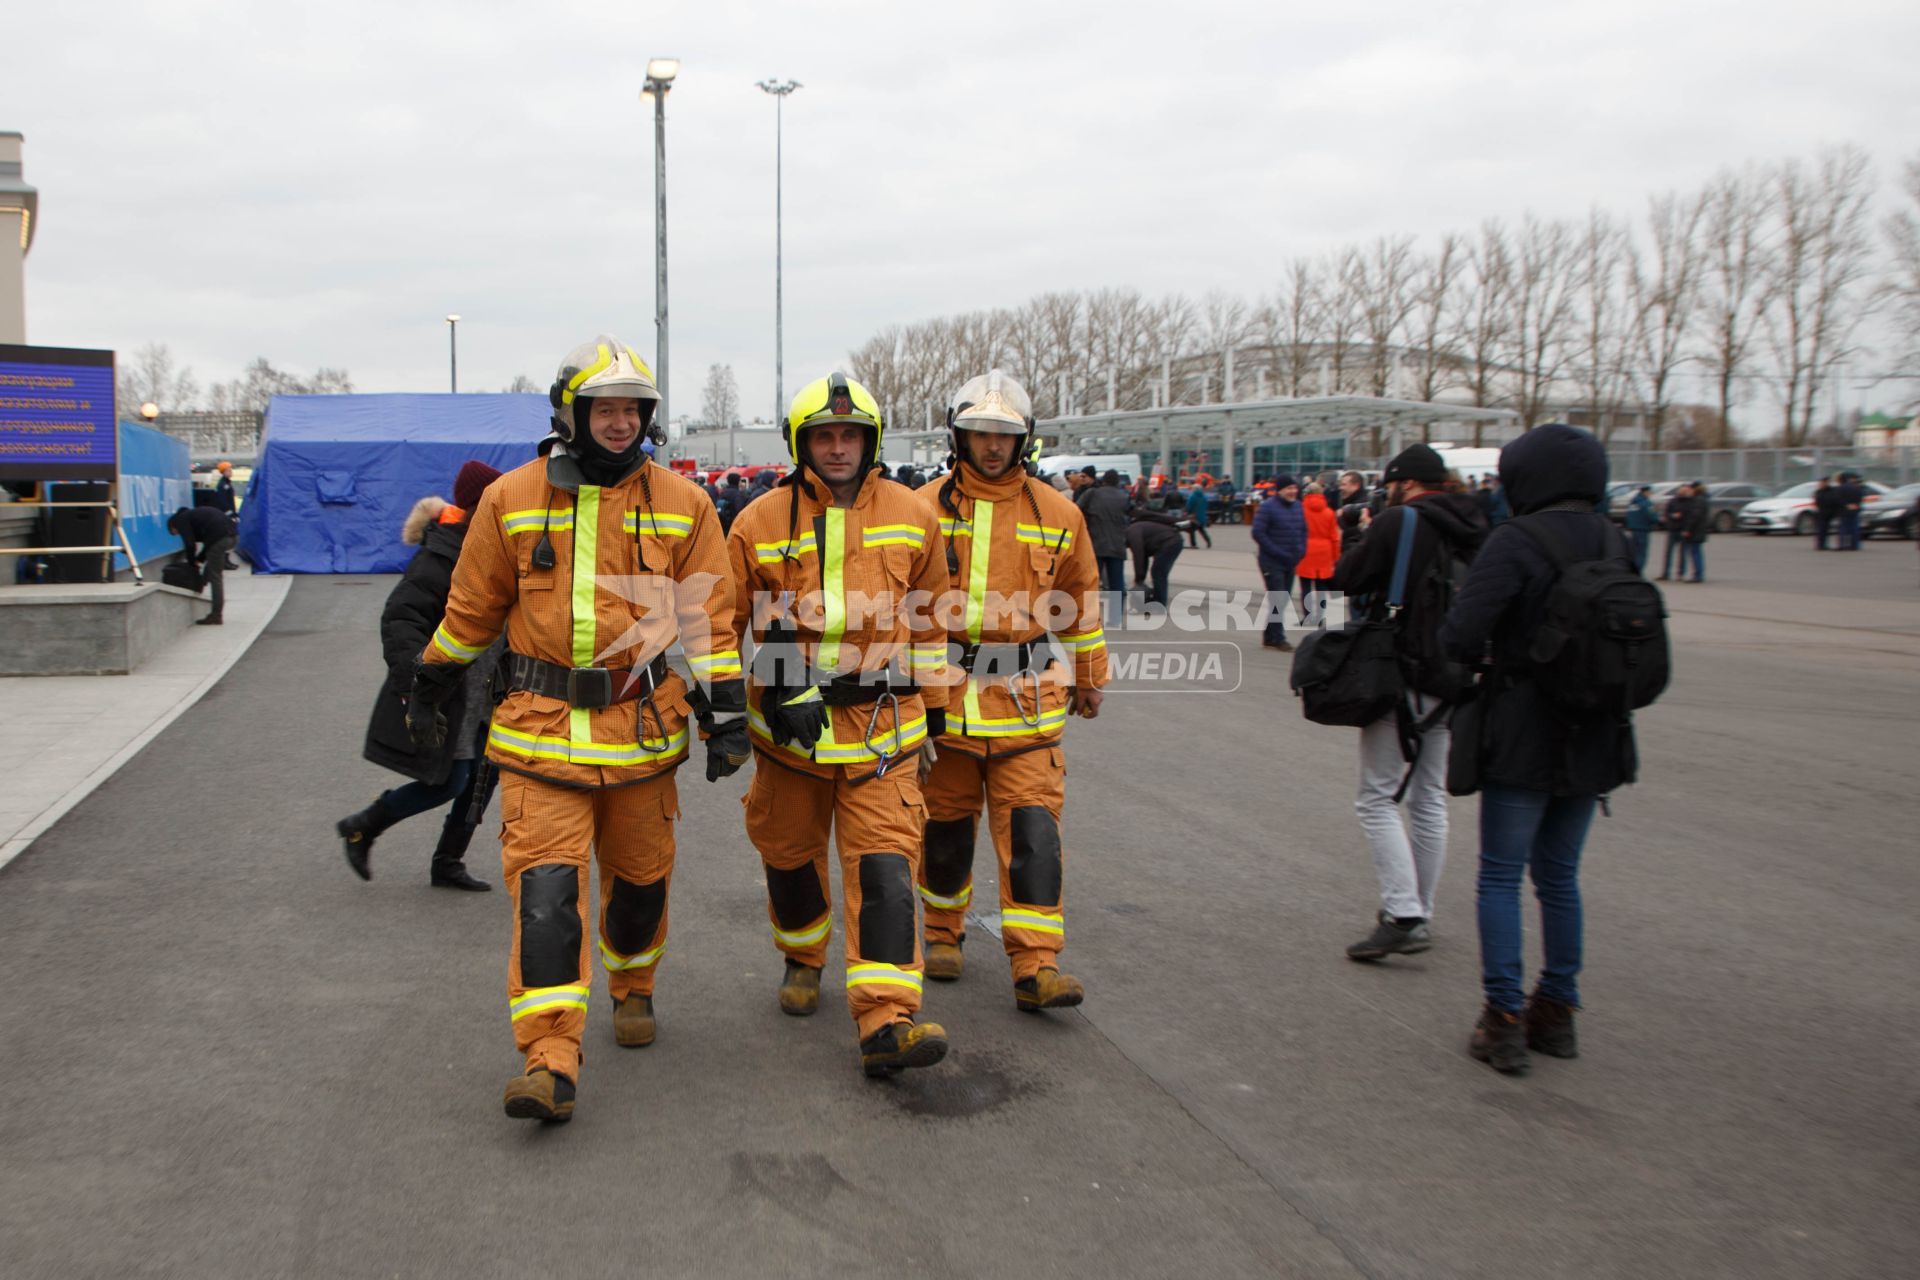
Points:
(337, 475)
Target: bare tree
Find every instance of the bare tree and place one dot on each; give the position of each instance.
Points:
(260, 382)
(1542, 307)
(151, 378)
(1292, 326)
(1665, 293)
(1434, 300)
(1225, 324)
(1603, 332)
(1902, 290)
(522, 385)
(720, 399)
(1386, 281)
(1344, 282)
(1733, 281)
(1488, 324)
(1819, 215)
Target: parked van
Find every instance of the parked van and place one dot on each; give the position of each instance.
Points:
(1127, 464)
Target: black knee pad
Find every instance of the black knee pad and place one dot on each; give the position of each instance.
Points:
(549, 925)
(949, 857)
(1033, 872)
(633, 915)
(886, 908)
(796, 897)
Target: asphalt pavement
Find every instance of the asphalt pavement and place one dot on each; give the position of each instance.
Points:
(229, 1057)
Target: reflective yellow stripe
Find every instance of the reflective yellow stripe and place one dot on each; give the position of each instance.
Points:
(614, 960)
(881, 975)
(460, 653)
(661, 524)
(826, 751)
(1043, 535)
(1033, 921)
(548, 1000)
(956, 528)
(978, 726)
(955, 903)
(586, 550)
(1086, 641)
(893, 535)
(768, 552)
(528, 521)
(573, 383)
(977, 571)
(815, 932)
(723, 662)
(579, 749)
(810, 694)
(927, 657)
(833, 590)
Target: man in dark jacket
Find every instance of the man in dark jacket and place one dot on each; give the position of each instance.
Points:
(1154, 538)
(1640, 521)
(1448, 529)
(1105, 507)
(454, 770)
(1541, 774)
(1826, 506)
(1673, 518)
(1850, 498)
(1280, 537)
(208, 535)
(1696, 522)
(732, 500)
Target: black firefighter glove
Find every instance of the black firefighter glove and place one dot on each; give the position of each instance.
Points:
(799, 719)
(433, 684)
(727, 748)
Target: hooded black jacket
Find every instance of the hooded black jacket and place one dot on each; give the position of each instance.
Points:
(1556, 474)
(412, 613)
(1449, 524)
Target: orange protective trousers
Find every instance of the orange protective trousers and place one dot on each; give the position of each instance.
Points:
(546, 833)
(876, 822)
(1023, 794)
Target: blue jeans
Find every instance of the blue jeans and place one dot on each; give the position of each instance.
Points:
(1642, 540)
(1522, 830)
(1696, 552)
(1849, 530)
(1279, 591)
(1113, 583)
(418, 797)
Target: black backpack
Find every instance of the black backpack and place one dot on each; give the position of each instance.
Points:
(1353, 677)
(1602, 648)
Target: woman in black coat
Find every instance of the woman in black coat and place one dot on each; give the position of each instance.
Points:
(452, 771)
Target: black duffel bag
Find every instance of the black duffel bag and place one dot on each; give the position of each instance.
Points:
(1353, 677)
(182, 574)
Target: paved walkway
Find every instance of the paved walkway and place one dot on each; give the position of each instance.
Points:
(68, 734)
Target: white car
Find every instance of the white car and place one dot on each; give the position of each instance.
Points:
(1791, 510)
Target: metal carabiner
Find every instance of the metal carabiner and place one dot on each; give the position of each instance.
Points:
(866, 740)
(1013, 690)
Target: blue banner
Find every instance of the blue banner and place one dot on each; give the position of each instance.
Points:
(156, 479)
(56, 413)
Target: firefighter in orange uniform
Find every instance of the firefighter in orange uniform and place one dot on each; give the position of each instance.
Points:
(1019, 555)
(840, 570)
(594, 561)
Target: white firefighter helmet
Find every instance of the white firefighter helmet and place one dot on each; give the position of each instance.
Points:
(992, 402)
(604, 367)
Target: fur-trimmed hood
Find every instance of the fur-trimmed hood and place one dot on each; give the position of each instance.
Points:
(424, 514)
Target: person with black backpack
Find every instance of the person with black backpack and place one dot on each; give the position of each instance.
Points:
(1403, 754)
(1573, 640)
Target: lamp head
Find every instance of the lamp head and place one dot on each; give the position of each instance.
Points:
(662, 70)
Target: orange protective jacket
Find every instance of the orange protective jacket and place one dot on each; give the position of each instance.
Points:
(856, 588)
(638, 566)
(1025, 569)
(1323, 539)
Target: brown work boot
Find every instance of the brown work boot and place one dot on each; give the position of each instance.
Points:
(1550, 1026)
(800, 990)
(633, 1024)
(1500, 1041)
(900, 1045)
(1048, 989)
(945, 963)
(540, 1095)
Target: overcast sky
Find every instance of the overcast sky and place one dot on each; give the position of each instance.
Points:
(321, 184)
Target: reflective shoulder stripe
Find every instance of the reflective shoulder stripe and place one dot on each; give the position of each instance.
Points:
(659, 523)
(1043, 535)
(523, 521)
(768, 552)
(893, 535)
(881, 975)
(548, 999)
(461, 653)
(956, 528)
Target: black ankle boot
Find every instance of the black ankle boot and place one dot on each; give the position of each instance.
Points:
(357, 831)
(449, 869)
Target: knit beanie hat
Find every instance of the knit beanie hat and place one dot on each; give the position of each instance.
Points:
(1417, 462)
(472, 481)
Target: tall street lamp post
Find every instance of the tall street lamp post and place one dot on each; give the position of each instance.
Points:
(453, 353)
(660, 75)
(779, 89)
